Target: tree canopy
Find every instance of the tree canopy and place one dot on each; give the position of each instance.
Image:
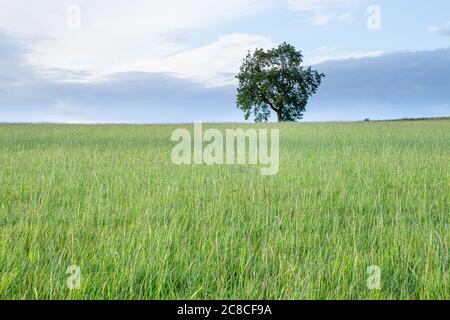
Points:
(274, 80)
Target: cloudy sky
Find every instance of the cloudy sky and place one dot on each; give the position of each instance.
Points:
(154, 61)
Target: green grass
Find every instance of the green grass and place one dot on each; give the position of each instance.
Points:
(109, 199)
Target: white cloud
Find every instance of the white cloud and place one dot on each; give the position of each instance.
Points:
(320, 20)
(324, 54)
(113, 32)
(323, 12)
(213, 64)
(443, 31)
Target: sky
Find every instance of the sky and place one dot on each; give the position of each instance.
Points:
(152, 61)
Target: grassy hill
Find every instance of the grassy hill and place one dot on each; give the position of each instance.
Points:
(109, 199)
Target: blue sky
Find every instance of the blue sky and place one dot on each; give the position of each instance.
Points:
(149, 61)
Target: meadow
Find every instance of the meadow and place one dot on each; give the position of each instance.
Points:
(108, 199)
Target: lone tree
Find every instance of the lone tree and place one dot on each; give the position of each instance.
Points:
(274, 80)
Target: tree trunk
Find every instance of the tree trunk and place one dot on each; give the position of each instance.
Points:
(280, 116)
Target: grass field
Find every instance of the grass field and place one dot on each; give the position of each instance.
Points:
(108, 199)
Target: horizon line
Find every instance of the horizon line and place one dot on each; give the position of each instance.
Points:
(447, 117)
